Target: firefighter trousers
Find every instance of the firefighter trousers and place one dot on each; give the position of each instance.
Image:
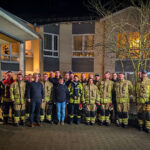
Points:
(46, 111)
(6, 110)
(104, 115)
(19, 113)
(74, 111)
(123, 109)
(143, 115)
(90, 113)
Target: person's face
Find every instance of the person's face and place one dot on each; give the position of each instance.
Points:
(36, 77)
(9, 75)
(57, 73)
(30, 78)
(114, 76)
(90, 81)
(76, 79)
(45, 77)
(97, 78)
(19, 77)
(91, 76)
(67, 76)
(144, 75)
(25, 78)
(71, 76)
(83, 76)
(51, 74)
(61, 81)
(107, 75)
(121, 76)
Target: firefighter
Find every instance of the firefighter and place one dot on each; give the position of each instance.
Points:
(7, 102)
(143, 102)
(76, 91)
(66, 79)
(114, 79)
(105, 89)
(17, 95)
(91, 98)
(97, 80)
(46, 106)
(83, 79)
(27, 103)
(1, 101)
(123, 89)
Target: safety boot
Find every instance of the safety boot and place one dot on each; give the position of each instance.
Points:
(78, 121)
(5, 121)
(101, 123)
(148, 130)
(71, 121)
(16, 124)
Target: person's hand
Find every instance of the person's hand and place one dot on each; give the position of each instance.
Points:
(43, 100)
(29, 100)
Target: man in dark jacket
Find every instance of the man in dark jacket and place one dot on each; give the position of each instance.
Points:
(35, 95)
(60, 98)
(55, 80)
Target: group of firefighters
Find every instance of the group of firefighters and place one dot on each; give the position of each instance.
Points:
(89, 100)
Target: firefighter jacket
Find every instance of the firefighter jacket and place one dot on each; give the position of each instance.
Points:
(18, 92)
(97, 83)
(123, 89)
(76, 92)
(106, 88)
(91, 94)
(6, 90)
(48, 89)
(83, 82)
(143, 91)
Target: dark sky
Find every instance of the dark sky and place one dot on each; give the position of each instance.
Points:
(43, 9)
(46, 7)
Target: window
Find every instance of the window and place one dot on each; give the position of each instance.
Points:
(28, 56)
(50, 45)
(83, 45)
(9, 52)
(129, 45)
(28, 49)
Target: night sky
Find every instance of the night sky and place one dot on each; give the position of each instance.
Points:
(43, 9)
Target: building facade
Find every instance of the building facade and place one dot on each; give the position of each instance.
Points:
(78, 46)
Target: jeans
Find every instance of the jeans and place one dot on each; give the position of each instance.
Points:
(35, 107)
(61, 111)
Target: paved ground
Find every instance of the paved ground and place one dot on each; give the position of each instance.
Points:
(53, 137)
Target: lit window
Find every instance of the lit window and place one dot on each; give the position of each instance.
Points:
(28, 49)
(83, 45)
(9, 52)
(89, 42)
(128, 45)
(50, 45)
(78, 43)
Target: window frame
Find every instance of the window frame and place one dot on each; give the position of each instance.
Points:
(29, 50)
(83, 51)
(52, 50)
(8, 55)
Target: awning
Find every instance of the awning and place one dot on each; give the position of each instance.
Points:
(14, 28)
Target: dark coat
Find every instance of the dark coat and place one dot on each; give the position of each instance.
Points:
(60, 93)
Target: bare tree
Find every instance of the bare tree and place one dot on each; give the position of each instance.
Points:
(127, 34)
